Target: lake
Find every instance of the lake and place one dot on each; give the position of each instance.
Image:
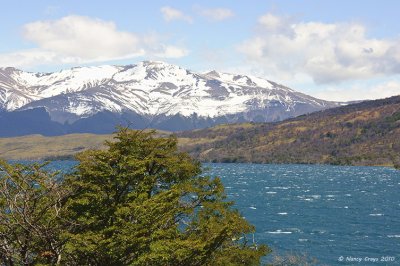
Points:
(340, 215)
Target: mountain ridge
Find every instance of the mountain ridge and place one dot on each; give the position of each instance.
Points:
(154, 91)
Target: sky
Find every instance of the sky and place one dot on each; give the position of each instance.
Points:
(336, 50)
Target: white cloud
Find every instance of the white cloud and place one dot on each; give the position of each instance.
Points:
(274, 23)
(78, 39)
(170, 14)
(216, 14)
(82, 37)
(361, 91)
(328, 53)
(171, 52)
(27, 58)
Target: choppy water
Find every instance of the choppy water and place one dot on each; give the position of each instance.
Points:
(339, 215)
(336, 214)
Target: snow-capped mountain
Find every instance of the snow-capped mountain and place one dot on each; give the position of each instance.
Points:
(155, 92)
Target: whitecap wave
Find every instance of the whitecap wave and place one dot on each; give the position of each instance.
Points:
(279, 232)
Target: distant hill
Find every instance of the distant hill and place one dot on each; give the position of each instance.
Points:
(366, 133)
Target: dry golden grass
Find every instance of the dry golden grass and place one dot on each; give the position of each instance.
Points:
(232, 126)
(35, 147)
(195, 141)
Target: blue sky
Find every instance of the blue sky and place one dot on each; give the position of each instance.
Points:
(335, 50)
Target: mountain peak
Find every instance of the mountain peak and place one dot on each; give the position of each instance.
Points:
(157, 65)
(152, 89)
(213, 73)
(153, 63)
(9, 70)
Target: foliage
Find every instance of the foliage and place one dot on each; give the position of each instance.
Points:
(31, 222)
(141, 202)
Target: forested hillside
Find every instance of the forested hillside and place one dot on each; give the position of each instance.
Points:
(366, 133)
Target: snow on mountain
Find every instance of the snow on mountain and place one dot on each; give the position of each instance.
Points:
(36, 86)
(150, 89)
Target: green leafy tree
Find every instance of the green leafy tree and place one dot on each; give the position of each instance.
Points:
(141, 202)
(31, 224)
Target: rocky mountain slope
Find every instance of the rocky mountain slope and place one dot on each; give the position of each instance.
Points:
(147, 94)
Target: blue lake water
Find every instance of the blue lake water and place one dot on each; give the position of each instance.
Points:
(336, 214)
